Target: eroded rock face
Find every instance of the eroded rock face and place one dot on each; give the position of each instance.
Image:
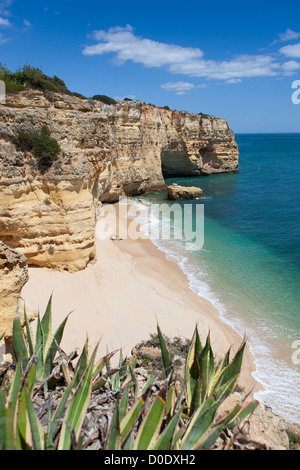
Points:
(108, 151)
(176, 192)
(13, 276)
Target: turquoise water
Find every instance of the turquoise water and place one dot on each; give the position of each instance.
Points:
(249, 265)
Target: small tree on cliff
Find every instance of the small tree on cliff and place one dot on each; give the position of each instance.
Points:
(41, 145)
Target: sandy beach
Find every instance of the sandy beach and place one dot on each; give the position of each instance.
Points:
(119, 299)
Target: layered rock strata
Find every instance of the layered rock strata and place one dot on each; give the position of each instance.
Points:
(108, 151)
(13, 276)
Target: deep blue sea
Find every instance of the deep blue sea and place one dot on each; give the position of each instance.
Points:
(249, 265)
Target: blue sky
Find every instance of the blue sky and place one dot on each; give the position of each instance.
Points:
(233, 59)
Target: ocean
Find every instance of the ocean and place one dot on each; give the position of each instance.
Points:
(249, 265)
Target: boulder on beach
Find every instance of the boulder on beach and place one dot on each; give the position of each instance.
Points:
(176, 192)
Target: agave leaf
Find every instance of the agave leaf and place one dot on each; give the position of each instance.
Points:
(102, 363)
(82, 363)
(123, 404)
(192, 368)
(224, 391)
(78, 406)
(212, 432)
(100, 383)
(23, 434)
(165, 440)
(128, 443)
(19, 343)
(150, 427)
(134, 381)
(23, 438)
(31, 379)
(233, 419)
(2, 336)
(131, 418)
(209, 438)
(37, 433)
(114, 438)
(238, 414)
(177, 436)
(123, 369)
(201, 422)
(46, 325)
(29, 334)
(196, 398)
(52, 350)
(148, 383)
(207, 366)
(171, 402)
(234, 368)
(12, 409)
(218, 373)
(15, 387)
(39, 342)
(10, 436)
(115, 382)
(122, 366)
(59, 412)
(133, 363)
(165, 353)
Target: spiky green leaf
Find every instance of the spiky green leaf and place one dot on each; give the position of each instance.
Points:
(165, 353)
(150, 427)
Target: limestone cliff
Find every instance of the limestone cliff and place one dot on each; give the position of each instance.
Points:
(13, 276)
(107, 151)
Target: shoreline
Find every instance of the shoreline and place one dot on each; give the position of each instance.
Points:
(120, 298)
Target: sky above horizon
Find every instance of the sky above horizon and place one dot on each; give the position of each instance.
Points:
(230, 59)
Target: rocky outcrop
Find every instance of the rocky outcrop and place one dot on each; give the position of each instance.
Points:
(176, 192)
(108, 151)
(13, 276)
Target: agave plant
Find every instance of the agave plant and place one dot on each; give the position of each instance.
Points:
(44, 348)
(20, 428)
(181, 420)
(173, 419)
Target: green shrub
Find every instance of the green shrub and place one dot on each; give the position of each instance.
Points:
(32, 77)
(4, 72)
(41, 145)
(104, 99)
(79, 95)
(204, 115)
(12, 87)
(45, 148)
(24, 141)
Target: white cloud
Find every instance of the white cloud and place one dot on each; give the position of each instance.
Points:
(5, 23)
(27, 23)
(289, 35)
(290, 67)
(291, 51)
(179, 88)
(125, 45)
(5, 7)
(234, 80)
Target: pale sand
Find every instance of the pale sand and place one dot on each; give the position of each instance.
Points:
(119, 300)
